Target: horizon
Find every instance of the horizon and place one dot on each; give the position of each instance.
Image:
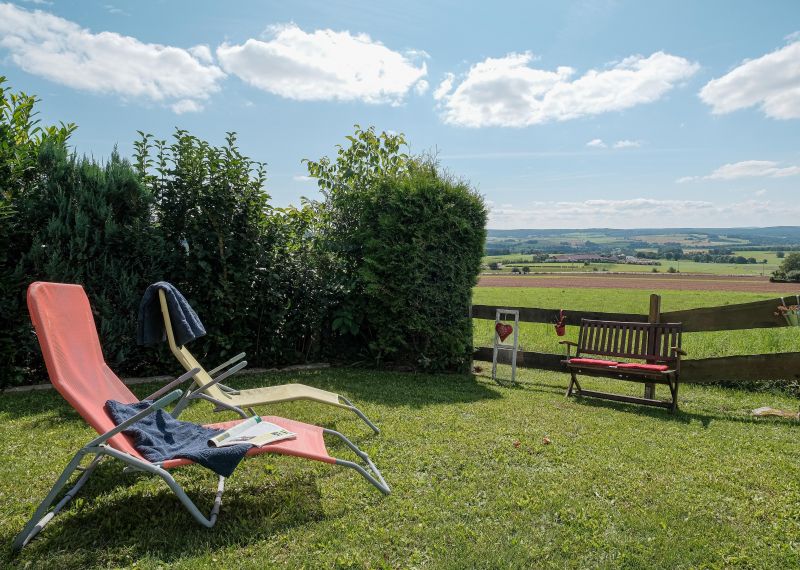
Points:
(585, 114)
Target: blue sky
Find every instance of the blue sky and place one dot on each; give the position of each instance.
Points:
(594, 113)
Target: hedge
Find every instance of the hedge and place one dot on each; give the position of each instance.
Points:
(379, 271)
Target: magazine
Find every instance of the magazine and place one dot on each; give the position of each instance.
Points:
(254, 432)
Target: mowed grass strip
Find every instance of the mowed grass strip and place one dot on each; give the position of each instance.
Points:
(542, 338)
(475, 484)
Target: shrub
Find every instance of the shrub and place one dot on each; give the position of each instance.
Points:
(423, 236)
(21, 138)
(90, 225)
(787, 269)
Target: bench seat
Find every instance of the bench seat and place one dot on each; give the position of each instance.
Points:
(657, 347)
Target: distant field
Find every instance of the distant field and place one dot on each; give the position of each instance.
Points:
(542, 337)
(684, 266)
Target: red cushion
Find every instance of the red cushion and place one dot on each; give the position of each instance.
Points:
(640, 366)
(592, 361)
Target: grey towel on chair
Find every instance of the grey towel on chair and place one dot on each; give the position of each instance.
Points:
(186, 325)
(159, 437)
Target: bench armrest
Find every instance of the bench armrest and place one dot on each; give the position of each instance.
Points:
(568, 344)
(678, 350)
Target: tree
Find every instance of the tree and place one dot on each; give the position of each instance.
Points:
(789, 269)
(526, 269)
(780, 254)
(21, 140)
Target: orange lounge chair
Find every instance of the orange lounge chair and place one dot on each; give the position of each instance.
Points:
(67, 335)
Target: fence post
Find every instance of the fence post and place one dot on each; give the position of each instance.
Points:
(653, 317)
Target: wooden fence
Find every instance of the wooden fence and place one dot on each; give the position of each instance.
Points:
(756, 315)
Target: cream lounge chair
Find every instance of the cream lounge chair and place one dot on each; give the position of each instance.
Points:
(227, 398)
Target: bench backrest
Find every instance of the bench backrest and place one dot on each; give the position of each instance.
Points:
(629, 340)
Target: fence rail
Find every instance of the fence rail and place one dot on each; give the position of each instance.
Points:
(755, 315)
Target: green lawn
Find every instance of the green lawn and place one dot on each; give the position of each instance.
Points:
(619, 486)
(542, 337)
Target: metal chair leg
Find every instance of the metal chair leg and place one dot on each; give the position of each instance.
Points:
(360, 414)
(41, 517)
(373, 476)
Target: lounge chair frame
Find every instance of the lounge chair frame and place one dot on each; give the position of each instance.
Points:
(100, 449)
(225, 397)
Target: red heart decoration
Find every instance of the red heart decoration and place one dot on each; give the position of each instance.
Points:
(561, 329)
(503, 330)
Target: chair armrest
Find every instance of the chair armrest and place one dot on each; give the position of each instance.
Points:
(233, 360)
(157, 405)
(678, 350)
(568, 342)
(174, 384)
(217, 380)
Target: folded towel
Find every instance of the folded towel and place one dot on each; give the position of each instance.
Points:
(159, 437)
(186, 325)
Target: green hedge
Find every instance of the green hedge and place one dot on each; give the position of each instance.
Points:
(405, 242)
(382, 268)
(423, 237)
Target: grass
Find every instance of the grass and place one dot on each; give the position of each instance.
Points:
(542, 338)
(619, 486)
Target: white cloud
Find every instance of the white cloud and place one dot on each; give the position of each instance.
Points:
(186, 106)
(40, 2)
(323, 65)
(627, 144)
(202, 52)
(303, 178)
(772, 82)
(444, 87)
(508, 92)
(747, 169)
(596, 143)
(111, 9)
(421, 87)
(639, 213)
(761, 192)
(61, 51)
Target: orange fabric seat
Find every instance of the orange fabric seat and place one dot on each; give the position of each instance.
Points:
(309, 442)
(64, 324)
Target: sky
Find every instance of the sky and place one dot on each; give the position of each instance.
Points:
(591, 113)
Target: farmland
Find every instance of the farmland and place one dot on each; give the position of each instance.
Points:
(720, 252)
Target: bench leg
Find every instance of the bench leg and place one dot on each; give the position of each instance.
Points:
(573, 382)
(673, 387)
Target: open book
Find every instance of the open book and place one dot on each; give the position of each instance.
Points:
(253, 431)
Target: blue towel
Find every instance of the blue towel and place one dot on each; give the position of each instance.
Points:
(186, 325)
(159, 437)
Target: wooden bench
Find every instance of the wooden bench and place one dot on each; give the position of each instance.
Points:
(658, 345)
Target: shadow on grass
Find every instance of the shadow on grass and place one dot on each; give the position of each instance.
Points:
(101, 530)
(385, 388)
(48, 405)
